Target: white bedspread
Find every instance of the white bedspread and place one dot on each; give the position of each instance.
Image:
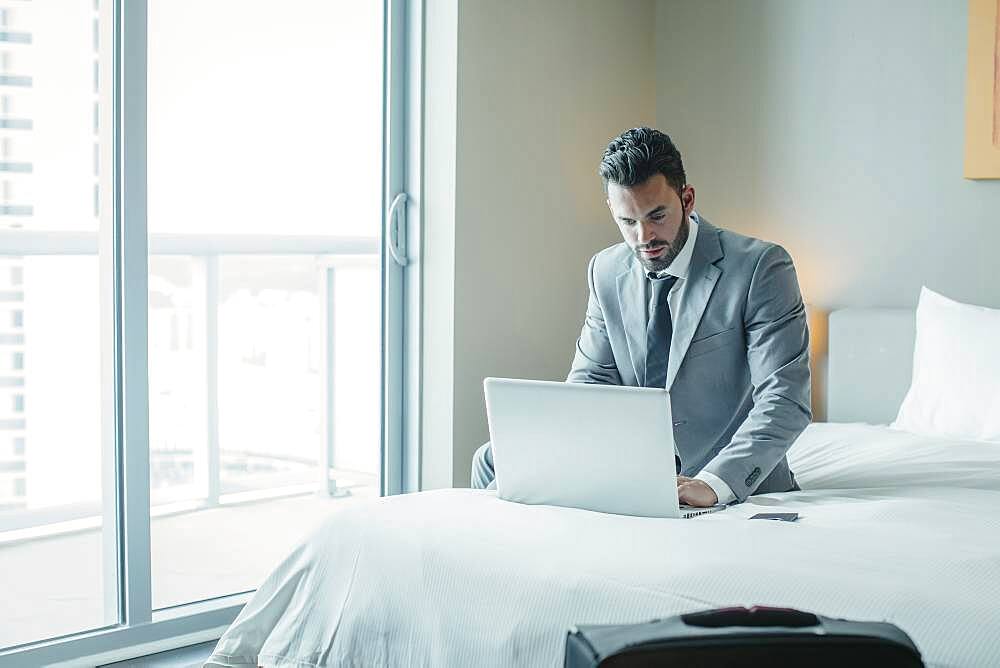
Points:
(893, 527)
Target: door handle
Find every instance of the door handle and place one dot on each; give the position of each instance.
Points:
(396, 217)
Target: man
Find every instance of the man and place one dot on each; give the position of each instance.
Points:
(715, 317)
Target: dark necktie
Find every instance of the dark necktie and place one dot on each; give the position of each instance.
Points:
(659, 331)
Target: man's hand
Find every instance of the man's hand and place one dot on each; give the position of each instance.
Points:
(695, 492)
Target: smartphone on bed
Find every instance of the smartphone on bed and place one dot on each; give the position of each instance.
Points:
(781, 517)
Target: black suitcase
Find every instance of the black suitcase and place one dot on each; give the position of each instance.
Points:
(742, 637)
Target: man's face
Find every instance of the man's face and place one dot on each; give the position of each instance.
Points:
(653, 219)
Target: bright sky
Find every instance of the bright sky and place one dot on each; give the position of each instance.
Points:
(264, 118)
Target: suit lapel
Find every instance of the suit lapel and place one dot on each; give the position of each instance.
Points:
(631, 298)
(701, 280)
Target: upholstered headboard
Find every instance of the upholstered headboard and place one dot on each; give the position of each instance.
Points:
(870, 361)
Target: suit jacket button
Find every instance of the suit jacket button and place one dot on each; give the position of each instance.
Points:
(752, 478)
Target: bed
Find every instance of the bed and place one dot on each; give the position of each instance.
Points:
(894, 526)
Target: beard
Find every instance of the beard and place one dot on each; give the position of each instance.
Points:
(672, 249)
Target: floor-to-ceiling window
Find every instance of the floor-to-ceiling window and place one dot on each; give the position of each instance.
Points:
(54, 361)
(265, 178)
(196, 316)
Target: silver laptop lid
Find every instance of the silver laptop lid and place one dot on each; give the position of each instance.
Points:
(599, 447)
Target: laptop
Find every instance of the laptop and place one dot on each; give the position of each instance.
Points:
(607, 448)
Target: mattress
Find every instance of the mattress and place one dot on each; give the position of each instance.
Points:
(893, 526)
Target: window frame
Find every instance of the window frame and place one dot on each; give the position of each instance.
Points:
(141, 630)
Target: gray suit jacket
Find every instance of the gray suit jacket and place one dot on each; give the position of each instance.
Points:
(739, 357)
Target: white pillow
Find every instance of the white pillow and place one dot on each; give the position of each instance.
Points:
(955, 389)
(835, 455)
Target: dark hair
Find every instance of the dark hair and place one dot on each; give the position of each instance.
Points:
(637, 154)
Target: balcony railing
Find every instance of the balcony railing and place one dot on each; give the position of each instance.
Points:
(209, 462)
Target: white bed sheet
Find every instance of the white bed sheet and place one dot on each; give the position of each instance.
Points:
(893, 527)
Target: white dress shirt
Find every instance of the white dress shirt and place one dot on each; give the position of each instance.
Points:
(679, 268)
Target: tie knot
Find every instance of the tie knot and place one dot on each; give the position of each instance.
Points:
(661, 283)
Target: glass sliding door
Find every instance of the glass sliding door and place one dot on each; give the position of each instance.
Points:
(265, 210)
(201, 337)
(56, 340)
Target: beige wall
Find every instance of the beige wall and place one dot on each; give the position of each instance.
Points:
(541, 87)
(835, 129)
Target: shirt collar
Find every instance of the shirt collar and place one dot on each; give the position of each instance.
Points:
(680, 265)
